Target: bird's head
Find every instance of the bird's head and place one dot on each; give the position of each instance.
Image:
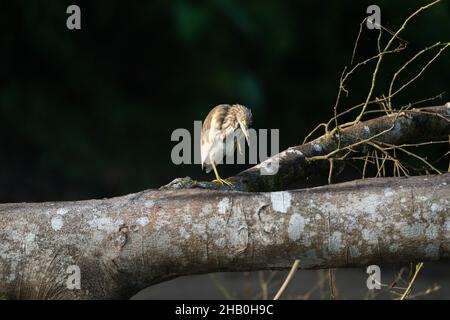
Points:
(244, 118)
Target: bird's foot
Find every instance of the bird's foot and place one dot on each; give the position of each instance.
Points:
(223, 182)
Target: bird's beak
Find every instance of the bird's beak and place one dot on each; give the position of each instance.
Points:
(245, 131)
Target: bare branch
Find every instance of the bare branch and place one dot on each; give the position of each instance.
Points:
(409, 126)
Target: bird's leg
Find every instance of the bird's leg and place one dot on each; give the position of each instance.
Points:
(218, 178)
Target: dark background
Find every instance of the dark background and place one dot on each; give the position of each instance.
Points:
(89, 113)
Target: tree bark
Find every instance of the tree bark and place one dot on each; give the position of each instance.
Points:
(125, 244)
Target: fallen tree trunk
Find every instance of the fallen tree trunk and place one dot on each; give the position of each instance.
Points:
(122, 245)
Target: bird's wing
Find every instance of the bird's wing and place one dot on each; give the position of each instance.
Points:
(211, 132)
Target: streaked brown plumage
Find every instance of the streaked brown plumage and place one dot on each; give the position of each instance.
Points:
(221, 123)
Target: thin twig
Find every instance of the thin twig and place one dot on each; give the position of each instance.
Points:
(288, 279)
(408, 289)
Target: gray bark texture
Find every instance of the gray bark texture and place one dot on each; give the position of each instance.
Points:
(124, 244)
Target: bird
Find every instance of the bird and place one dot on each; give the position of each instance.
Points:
(221, 125)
